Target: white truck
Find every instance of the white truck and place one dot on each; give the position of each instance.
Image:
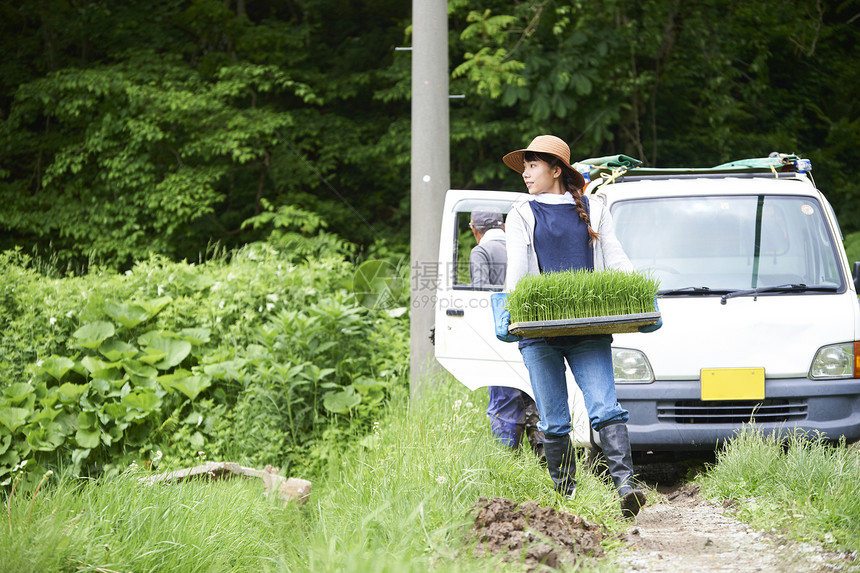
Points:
(761, 319)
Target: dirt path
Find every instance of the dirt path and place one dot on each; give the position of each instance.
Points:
(681, 532)
(677, 532)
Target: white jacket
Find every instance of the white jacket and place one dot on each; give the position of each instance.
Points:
(520, 234)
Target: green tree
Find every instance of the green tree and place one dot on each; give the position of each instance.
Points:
(141, 153)
(165, 134)
(669, 82)
(307, 104)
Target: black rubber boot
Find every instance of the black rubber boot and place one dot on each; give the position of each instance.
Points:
(561, 463)
(615, 442)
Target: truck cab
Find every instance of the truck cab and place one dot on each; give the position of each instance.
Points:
(761, 319)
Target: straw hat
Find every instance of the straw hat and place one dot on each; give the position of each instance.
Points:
(550, 144)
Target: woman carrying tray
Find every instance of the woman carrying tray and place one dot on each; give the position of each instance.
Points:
(557, 229)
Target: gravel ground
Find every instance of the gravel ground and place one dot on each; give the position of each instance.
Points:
(681, 532)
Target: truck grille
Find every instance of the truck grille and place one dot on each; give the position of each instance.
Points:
(731, 411)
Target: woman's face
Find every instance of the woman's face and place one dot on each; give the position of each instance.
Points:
(539, 178)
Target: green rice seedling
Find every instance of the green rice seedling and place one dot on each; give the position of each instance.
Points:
(581, 294)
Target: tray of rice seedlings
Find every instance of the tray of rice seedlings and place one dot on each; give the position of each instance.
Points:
(582, 302)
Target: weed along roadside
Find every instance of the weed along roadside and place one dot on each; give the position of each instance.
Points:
(758, 506)
(240, 358)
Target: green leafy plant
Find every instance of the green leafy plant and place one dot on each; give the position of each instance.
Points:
(261, 357)
(581, 294)
(107, 394)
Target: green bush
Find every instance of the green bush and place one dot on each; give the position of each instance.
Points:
(261, 356)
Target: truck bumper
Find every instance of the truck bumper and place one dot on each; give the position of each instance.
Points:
(670, 415)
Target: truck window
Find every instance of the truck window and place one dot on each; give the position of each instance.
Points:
(464, 240)
(736, 242)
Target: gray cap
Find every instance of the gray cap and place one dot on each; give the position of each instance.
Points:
(484, 221)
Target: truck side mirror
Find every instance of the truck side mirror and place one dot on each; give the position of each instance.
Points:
(857, 276)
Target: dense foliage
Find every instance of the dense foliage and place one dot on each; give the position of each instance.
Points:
(136, 128)
(262, 357)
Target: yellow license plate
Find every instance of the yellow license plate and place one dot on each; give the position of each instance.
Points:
(732, 383)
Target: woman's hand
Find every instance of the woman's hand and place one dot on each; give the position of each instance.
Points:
(501, 317)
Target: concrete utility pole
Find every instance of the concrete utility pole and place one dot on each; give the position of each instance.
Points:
(431, 165)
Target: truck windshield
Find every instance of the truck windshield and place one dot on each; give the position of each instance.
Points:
(718, 244)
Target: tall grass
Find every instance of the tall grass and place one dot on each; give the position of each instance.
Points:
(400, 501)
(581, 294)
(122, 525)
(802, 485)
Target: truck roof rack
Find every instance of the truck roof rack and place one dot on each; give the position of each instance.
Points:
(616, 167)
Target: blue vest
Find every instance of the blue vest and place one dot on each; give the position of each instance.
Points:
(561, 238)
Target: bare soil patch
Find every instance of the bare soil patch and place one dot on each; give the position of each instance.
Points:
(538, 536)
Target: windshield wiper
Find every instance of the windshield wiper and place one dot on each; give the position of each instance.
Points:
(692, 290)
(791, 287)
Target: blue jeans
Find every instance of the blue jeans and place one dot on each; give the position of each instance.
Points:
(590, 360)
(506, 410)
(513, 417)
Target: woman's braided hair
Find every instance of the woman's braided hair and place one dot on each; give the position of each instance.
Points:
(569, 184)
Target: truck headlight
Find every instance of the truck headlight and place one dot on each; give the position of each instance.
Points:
(836, 361)
(631, 366)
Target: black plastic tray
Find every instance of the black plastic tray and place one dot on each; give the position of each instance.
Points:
(580, 326)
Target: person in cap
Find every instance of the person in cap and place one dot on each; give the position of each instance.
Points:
(557, 228)
(489, 258)
(512, 412)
